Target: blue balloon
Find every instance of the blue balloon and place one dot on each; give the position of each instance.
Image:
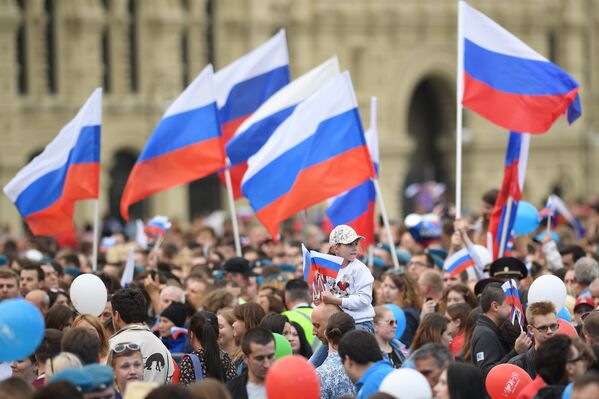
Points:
(565, 315)
(21, 329)
(527, 219)
(400, 316)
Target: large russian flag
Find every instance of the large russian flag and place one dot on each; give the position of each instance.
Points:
(244, 85)
(67, 170)
(356, 207)
(185, 146)
(318, 152)
(510, 187)
(257, 129)
(509, 83)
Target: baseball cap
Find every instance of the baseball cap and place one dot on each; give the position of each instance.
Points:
(585, 300)
(343, 234)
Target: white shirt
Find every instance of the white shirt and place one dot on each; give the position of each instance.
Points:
(255, 391)
(354, 286)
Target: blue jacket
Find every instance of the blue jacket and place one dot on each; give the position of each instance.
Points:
(398, 349)
(176, 343)
(371, 380)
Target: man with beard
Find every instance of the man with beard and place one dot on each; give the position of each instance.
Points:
(487, 348)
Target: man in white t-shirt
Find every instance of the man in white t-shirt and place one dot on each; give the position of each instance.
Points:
(258, 346)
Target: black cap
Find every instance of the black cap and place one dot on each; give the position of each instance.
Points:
(175, 312)
(238, 265)
(481, 284)
(507, 268)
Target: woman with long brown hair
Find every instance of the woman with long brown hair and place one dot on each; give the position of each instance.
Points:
(402, 290)
(432, 328)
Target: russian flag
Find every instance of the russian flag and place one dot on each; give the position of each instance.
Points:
(158, 226)
(244, 85)
(67, 170)
(185, 146)
(562, 213)
(317, 262)
(513, 298)
(257, 129)
(309, 271)
(356, 207)
(509, 83)
(316, 153)
(510, 188)
(458, 262)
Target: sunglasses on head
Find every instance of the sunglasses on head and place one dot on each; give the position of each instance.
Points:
(126, 345)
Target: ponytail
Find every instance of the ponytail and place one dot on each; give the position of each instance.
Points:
(204, 326)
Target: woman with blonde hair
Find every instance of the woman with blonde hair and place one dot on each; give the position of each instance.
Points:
(62, 361)
(218, 299)
(92, 323)
(402, 290)
(226, 339)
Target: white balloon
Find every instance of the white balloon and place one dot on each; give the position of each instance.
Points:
(548, 288)
(88, 294)
(484, 255)
(406, 384)
(413, 219)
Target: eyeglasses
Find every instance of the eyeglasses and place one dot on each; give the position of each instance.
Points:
(576, 359)
(126, 345)
(545, 329)
(392, 322)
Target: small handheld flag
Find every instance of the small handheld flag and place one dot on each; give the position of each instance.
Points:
(458, 262)
(513, 298)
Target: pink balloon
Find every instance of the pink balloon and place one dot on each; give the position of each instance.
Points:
(566, 328)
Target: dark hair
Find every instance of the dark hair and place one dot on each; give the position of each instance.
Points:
(360, 346)
(50, 345)
(468, 330)
(83, 343)
(297, 290)
(274, 322)
(131, 305)
(459, 311)
(204, 326)
(170, 391)
(59, 316)
(490, 196)
(492, 293)
(58, 389)
(550, 359)
(305, 349)
(338, 325)
(250, 313)
(54, 293)
(258, 335)
(15, 387)
(576, 251)
(464, 380)
(35, 266)
(591, 326)
(275, 305)
(430, 329)
(209, 388)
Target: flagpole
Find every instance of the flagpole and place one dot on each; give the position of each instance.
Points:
(506, 223)
(379, 196)
(459, 93)
(548, 223)
(96, 234)
(232, 208)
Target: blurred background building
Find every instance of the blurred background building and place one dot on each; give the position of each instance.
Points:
(144, 52)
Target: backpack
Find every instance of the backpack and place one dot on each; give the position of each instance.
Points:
(197, 366)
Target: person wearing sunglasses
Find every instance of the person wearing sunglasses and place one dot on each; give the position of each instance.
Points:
(542, 325)
(128, 364)
(385, 325)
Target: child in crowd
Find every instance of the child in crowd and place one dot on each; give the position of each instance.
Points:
(352, 289)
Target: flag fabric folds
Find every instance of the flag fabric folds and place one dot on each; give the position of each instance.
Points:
(562, 214)
(356, 207)
(316, 153)
(510, 188)
(318, 263)
(185, 146)
(244, 85)
(68, 169)
(513, 298)
(458, 262)
(509, 83)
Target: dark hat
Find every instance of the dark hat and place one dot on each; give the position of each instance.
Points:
(175, 312)
(238, 265)
(507, 268)
(481, 284)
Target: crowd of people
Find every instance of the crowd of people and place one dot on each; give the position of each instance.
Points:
(197, 321)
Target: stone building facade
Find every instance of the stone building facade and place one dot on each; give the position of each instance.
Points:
(143, 52)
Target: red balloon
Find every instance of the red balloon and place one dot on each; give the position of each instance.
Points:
(292, 377)
(506, 381)
(566, 328)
